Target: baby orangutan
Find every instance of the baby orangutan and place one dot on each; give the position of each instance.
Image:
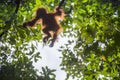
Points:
(49, 22)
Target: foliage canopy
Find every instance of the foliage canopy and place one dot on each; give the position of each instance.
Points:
(95, 25)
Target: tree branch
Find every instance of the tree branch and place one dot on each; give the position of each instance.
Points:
(60, 4)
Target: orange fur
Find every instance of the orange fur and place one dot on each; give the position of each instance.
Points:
(49, 22)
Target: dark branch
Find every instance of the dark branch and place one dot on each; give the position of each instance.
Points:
(60, 4)
(17, 5)
(68, 12)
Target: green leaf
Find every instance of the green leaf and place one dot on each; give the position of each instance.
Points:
(84, 1)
